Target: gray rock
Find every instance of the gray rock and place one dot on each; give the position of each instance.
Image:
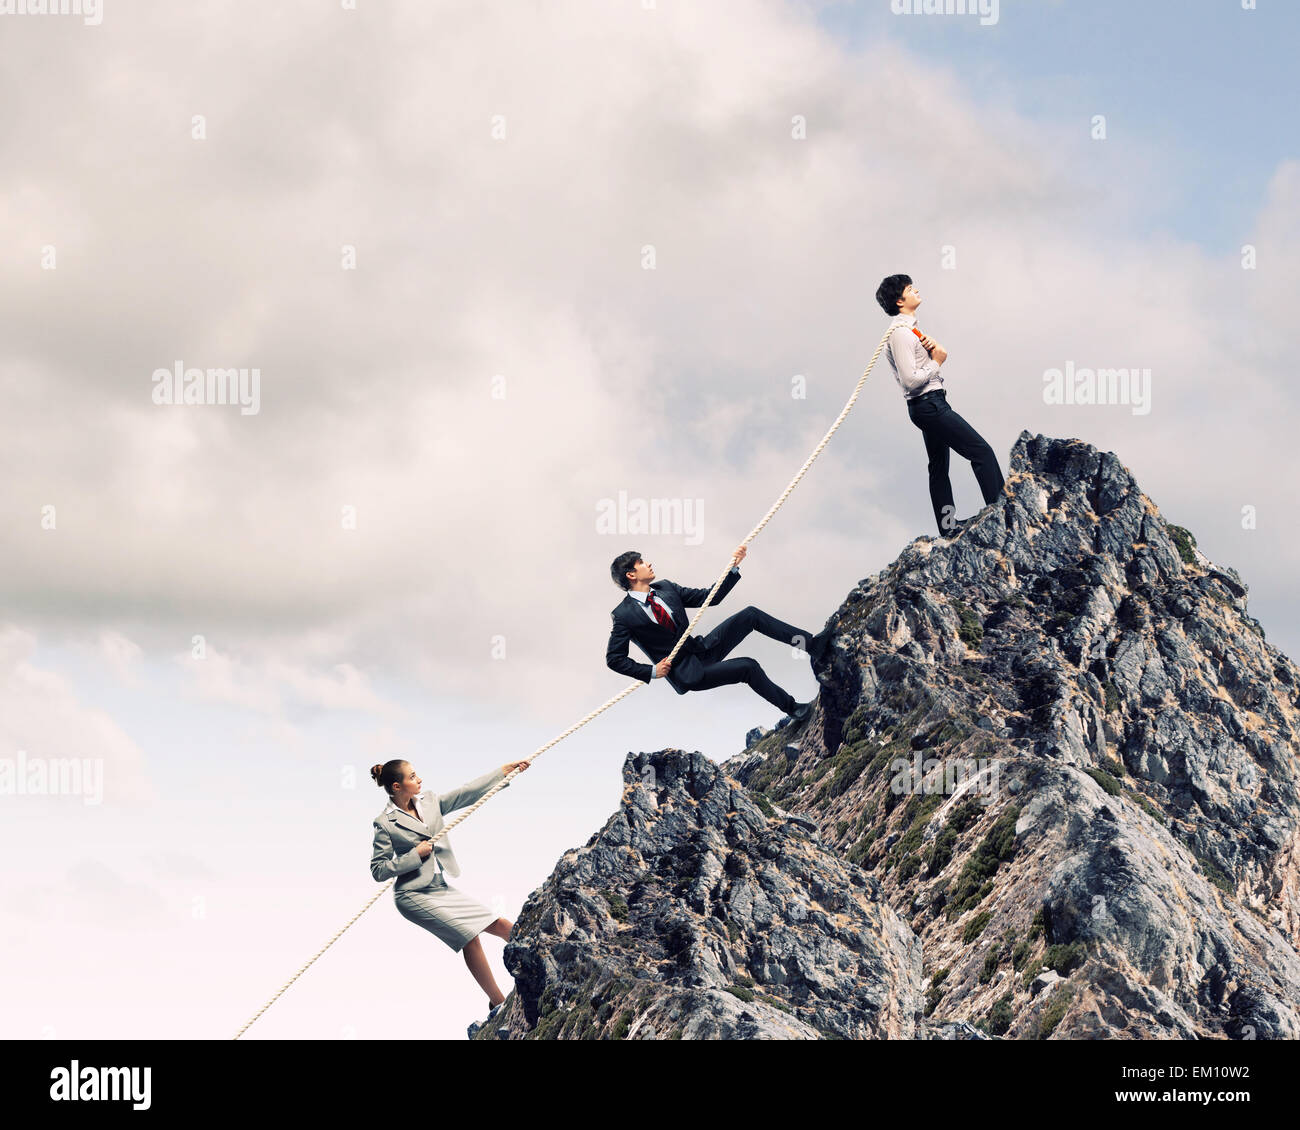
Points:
(1045, 980)
(693, 913)
(1143, 837)
(957, 1030)
(1105, 803)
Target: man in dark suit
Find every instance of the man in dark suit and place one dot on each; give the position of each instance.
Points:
(653, 616)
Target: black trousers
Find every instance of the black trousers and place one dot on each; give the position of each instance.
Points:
(944, 430)
(720, 671)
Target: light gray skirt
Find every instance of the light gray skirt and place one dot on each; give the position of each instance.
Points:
(445, 912)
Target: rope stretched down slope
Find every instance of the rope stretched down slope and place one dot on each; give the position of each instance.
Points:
(632, 686)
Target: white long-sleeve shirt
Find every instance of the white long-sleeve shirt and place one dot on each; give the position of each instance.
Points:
(914, 369)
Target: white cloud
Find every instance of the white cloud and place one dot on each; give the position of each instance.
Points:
(42, 717)
(270, 685)
(119, 654)
(92, 888)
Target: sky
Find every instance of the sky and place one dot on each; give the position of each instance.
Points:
(497, 266)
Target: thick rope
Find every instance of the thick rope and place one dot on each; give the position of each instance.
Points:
(636, 684)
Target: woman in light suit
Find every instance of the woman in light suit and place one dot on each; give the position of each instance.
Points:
(404, 847)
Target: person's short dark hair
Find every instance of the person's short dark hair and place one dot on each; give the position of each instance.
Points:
(890, 291)
(623, 564)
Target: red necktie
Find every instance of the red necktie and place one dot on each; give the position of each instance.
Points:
(661, 613)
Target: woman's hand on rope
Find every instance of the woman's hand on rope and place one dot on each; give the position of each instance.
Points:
(424, 847)
(512, 765)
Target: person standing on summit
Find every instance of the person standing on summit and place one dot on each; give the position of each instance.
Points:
(915, 358)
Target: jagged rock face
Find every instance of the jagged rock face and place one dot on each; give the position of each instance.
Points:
(694, 913)
(1048, 790)
(1128, 814)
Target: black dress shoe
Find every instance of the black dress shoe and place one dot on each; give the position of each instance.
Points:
(818, 646)
(799, 715)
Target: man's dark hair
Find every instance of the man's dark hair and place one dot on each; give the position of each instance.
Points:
(890, 291)
(624, 563)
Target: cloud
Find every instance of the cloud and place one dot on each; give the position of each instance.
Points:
(91, 891)
(119, 654)
(269, 685)
(176, 864)
(41, 716)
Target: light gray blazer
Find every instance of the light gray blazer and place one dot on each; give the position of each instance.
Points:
(398, 834)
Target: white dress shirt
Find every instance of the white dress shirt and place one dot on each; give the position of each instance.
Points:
(641, 596)
(914, 369)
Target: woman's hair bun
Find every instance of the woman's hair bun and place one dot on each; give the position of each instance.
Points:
(389, 773)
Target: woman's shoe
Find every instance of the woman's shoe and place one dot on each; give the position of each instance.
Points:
(474, 1028)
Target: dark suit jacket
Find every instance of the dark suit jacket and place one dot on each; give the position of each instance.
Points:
(632, 624)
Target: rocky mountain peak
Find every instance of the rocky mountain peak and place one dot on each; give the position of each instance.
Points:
(1055, 753)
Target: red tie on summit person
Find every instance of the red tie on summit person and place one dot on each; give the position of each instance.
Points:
(661, 613)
